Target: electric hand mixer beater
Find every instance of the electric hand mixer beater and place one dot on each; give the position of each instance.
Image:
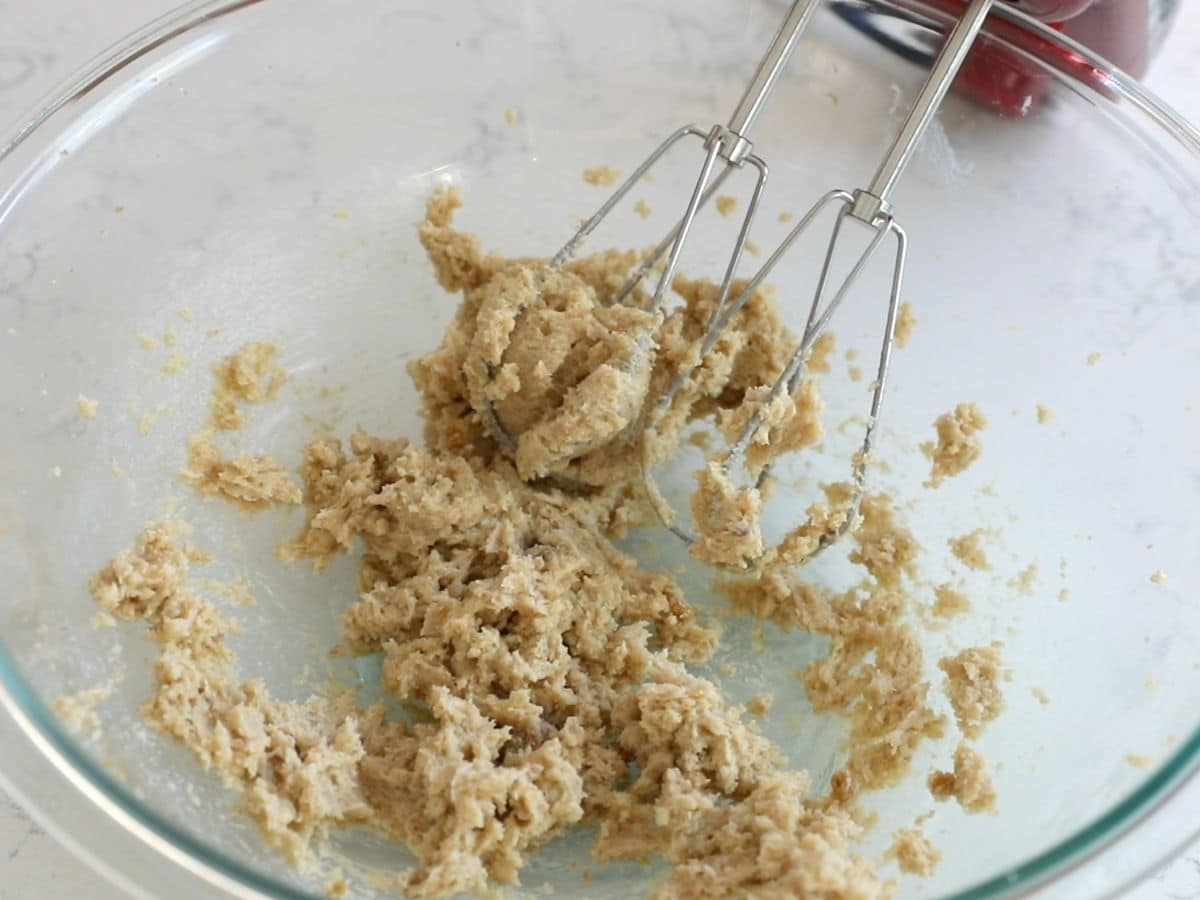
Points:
(728, 148)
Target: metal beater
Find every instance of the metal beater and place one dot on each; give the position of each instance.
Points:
(728, 148)
(870, 207)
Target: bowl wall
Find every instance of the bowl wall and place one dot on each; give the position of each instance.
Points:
(264, 171)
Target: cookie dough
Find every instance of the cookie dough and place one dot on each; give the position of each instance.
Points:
(972, 685)
(970, 549)
(949, 602)
(957, 444)
(906, 321)
(255, 482)
(251, 375)
(602, 176)
(969, 783)
(87, 407)
(914, 852)
(296, 764)
(543, 675)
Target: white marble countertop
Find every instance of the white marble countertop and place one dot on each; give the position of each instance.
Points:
(40, 43)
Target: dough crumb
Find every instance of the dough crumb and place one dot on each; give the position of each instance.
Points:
(1023, 582)
(601, 176)
(102, 620)
(86, 406)
(1093, 357)
(1139, 761)
(170, 337)
(642, 208)
(969, 550)
(752, 249)
(1045, 415)
(949, 602)
(885, 548)
(726, 204)
(253, 482)
(820, 353)
(1158, 577)
(115, 467)
(544, 675)
(969, 783)
(149, 341)
(906, 321)
(186, 314)
(146, 424)
(511, 116)
(785, 217)
(1040, 696)
(78, 711)
(957, 442)
(914, 852)
(175, 363)
(251, 375)
(1064, 595)
(760, 705)
(972, 685)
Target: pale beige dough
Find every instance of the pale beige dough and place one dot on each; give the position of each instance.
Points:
(970, 549)
(87, 407)
(251, 375)
(950, 602)
(822, 349)
(972, 684)
(885, 698)
(78, 711)
(914, 852)
(252, 481)
(296, 764)
(546, 672)
(602, 176)
(906, 321)
(957, 444)
(572, 378)
(969, 783)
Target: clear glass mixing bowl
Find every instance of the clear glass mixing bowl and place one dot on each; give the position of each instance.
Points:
(261, 164)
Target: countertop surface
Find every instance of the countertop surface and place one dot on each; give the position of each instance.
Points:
(41, 43)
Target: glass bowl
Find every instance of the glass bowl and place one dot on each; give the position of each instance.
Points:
(261, 165)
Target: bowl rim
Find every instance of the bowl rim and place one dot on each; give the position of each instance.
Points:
(1175, 779)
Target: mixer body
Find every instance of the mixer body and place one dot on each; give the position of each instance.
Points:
(1128, 33)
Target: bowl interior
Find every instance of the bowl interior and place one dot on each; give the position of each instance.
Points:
(264, 171)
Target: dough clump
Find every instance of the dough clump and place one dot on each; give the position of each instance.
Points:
(957, 442)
